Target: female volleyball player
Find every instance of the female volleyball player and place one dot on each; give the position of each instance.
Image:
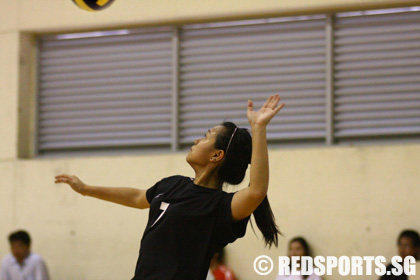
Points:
(190, 219)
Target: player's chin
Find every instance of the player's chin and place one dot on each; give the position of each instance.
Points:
(188, 157)
(191, 159)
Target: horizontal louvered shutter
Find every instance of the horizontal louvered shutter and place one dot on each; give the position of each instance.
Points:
(222, 67)
(377, 75)
(107, 91)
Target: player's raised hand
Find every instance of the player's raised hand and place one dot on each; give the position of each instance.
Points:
(263, 116)
(75, 183)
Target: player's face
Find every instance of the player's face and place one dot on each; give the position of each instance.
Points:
(203, 149)
(406, 247)
(19, 250)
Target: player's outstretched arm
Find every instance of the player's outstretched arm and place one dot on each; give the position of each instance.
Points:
(245, 201)
(130, 197)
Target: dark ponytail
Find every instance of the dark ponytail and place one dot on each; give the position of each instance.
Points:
(264, 218)
(238, 151)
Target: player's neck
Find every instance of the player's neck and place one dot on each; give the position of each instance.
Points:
(207, 179)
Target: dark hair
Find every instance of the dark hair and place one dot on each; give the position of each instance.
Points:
(20, 235)
(305, 246)
(232, 171)
(413, 235)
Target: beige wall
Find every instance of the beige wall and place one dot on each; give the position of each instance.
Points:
(345, 200)
(9, 69)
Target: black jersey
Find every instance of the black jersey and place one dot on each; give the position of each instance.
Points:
(187, 225)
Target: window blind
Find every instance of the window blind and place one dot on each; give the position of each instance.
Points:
(106, 91)
(377, 75)
(222, 67)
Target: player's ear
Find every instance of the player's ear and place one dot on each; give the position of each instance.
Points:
(217, 156)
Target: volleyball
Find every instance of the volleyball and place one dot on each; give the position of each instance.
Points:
(92, 5)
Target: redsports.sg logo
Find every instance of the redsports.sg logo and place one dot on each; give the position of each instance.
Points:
(354, 265)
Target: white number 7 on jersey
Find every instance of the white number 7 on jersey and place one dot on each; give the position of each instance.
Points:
(163, 206)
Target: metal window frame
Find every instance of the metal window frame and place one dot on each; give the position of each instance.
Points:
(175, 90)
(329, 80)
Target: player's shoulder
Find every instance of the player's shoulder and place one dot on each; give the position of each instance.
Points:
(174, 181)
(176, 178)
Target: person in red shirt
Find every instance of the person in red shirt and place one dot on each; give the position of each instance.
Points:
(218, 269)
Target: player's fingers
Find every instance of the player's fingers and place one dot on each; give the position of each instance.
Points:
(274, 101)
(250, 105)
(279, 108)
(266, 104)
(63, 178)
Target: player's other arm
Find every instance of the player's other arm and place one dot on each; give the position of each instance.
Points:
(130, 197)
(245, 201)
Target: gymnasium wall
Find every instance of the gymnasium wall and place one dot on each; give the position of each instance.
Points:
(345, 200)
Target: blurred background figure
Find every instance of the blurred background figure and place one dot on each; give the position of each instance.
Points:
(408, 243)
(298, 247)
(219, 271)
(22, 264)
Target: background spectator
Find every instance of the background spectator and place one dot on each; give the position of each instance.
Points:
(408, 245)
(22, 264)
(218, 270)
(298, 247)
